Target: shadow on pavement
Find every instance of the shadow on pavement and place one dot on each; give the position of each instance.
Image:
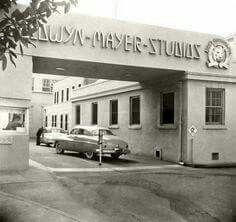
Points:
(105, 159)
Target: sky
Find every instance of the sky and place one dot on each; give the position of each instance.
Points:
(208, 16)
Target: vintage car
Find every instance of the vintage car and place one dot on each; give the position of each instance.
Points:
(50, 134)
(85, 139)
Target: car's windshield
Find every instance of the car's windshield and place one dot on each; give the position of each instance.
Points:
(104, 132)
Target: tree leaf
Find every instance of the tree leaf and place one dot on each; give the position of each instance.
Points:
(21, 49)
(4, 62)
(12, 61)
(12, 53)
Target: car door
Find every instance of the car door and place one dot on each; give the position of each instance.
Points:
(89, 143)
(68, 144)
(79, 141)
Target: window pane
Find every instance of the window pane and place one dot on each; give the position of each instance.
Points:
(12, 119)
(67, 94)
(113, 112)
(214, 106)
(94, 113)
(66, 121)
(135, 110)
(62, 96)
(167, 111)
(46, 121)
(46, 85)
(61, 125)
(55, 121)
(78, 114)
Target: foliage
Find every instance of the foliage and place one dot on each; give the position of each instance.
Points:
(18, 26)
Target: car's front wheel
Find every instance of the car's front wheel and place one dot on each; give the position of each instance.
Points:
(89, 155)
(59, 150)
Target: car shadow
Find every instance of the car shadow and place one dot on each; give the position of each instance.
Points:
(105, 159)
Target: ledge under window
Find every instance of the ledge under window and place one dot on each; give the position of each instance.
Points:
(167, 127)
(113, 127)
(215, 127)
(135, 127)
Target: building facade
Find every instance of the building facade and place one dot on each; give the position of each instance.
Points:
(59, 114)
(183, 105)
(42, 88)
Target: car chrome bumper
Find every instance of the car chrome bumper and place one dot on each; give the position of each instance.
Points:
(115, 150)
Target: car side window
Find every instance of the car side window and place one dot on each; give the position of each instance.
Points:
(87, 133)
(73, 131)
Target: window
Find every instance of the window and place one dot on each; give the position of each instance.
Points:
(12, 119)
(61, 123)
(77, 114)
(134, 110)
(46, 86)
(215, 106)
(113, 112)
(67, 94)
(94, 113)
(54, 120)
(62, 96)
(66, 122)
(46, 121)
(57, 97)
(167, 108)
(79, 85)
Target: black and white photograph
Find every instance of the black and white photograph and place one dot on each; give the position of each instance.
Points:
(117, 111)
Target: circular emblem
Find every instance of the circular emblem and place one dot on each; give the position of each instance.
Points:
(219, 54)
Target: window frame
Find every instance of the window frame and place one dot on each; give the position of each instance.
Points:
(161, 108)
(46, 85)
(57, 97)
(131, 122)
(61, 121)
(21, 126)
(62, 95)
(46, 121)
(66, 121)
(76, 115)
(212, 89)
(67, 94)
(92, 113)
(111, 112)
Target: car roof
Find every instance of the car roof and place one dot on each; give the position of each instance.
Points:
(95, 127)
(53, 128)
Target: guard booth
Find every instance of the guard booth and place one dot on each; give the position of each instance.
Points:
(196, 67)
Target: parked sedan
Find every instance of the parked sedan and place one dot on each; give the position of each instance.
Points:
(50, 134)
(84, 139)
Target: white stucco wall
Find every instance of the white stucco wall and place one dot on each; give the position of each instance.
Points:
(149, 134)
(15, 91)
(209, 139)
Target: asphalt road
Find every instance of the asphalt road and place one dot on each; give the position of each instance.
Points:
(168, 193)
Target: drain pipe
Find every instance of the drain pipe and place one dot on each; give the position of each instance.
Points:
(180, 145)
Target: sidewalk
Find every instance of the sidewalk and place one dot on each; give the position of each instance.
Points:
(35, 195)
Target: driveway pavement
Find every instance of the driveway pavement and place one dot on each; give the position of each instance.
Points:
(71, 188)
